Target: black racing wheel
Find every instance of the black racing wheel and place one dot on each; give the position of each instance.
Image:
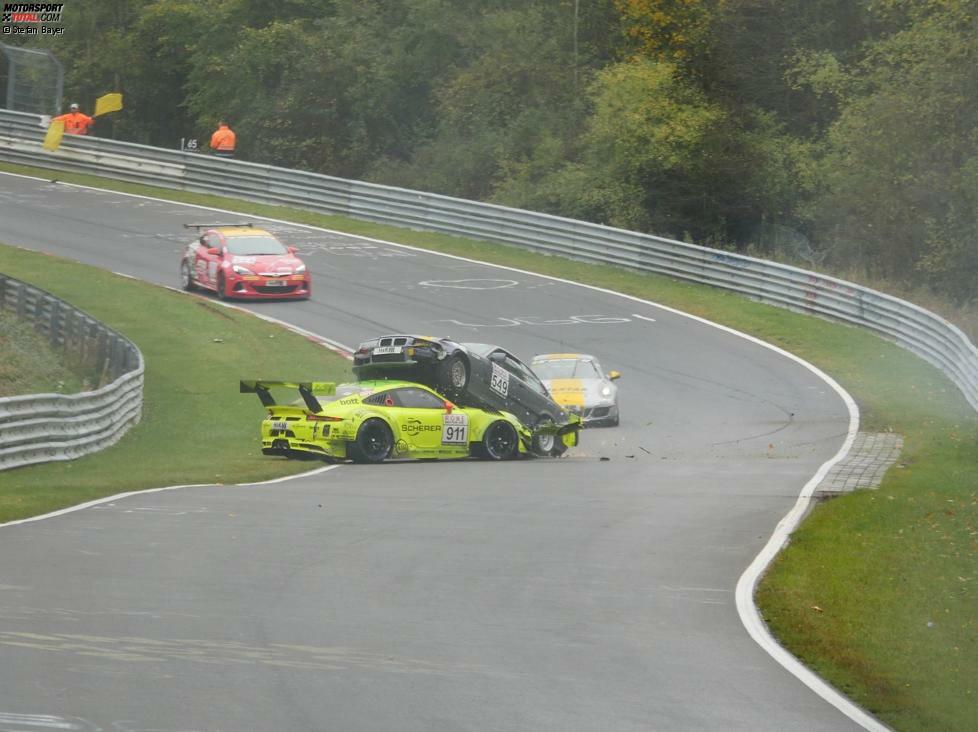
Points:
(500, 441)
(373, 444)
(454, 374)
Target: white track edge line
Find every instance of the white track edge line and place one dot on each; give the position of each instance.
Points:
(746, 609)
(145, 491)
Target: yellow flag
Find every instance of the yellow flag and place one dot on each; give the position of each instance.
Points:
(55, 132)
(108, 103)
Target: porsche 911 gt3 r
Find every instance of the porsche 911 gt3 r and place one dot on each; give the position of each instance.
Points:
(577, 382)
(371, 421)
(243, 261)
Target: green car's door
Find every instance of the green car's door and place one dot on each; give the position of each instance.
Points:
(426, 425)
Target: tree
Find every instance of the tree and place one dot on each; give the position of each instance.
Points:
(898, 174)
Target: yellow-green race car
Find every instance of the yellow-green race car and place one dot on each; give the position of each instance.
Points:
(371, 421)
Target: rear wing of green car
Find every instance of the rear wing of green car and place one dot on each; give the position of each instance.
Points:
(307, 390)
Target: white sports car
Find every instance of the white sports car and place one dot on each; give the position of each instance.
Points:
(577, 382)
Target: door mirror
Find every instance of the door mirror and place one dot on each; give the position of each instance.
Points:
(214, 251)
(449, 406)
(614, 375)
(292, 250)
(497, 357)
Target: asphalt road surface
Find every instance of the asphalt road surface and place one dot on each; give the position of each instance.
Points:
(593, 592)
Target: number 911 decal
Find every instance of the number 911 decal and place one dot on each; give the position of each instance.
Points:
(455, 429)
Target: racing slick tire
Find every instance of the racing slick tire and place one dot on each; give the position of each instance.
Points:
(373, 444)
(499, 442)
(221, 291)
(186, 277)
(547, 445)
(453, 375)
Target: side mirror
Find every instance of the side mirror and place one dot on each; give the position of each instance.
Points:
(497, 357)
(614, 375)
(449, 406)
(216, 251)
(292, 250)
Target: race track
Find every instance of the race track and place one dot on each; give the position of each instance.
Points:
(594, 592)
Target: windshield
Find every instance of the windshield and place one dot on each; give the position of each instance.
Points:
(566, 368)
(253, 245)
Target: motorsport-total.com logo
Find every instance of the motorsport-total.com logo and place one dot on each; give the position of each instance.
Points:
(32, 19)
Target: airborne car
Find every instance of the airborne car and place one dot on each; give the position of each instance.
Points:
(243, 261)
(473, 374)
(578, 383)
(371, 421)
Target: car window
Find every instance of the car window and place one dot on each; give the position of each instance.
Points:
(254, 245)
(532, 380)
(419, 398)
(522, 373)
(387, 398)
(566, 368)
(538, 386)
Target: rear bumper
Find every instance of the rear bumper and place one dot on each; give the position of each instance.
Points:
(289, 447)
(421, 358)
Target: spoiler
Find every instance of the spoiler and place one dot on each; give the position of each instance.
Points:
(307, 389)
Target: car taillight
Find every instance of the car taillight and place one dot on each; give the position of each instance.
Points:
(322, 418)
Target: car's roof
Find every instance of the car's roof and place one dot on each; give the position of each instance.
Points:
(366, 388)
(484, 349)
(563, 356)
(242, 231)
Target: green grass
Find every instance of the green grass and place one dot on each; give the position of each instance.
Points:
(196, 427)
(29, 364)
(893, 576)
(893, 571)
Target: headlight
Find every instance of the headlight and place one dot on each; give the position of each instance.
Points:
(300, 269)
(241, 270)
(606, 391)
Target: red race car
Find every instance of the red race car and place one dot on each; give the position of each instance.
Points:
(241, 260)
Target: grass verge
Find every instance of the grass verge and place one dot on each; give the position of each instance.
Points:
(877, 589)
(196, 427)
(29, 364)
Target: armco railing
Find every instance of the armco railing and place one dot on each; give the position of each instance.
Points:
(914, 328)
(45, 427)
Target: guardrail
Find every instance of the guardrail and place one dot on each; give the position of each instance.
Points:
(918, 330)
(41, 428)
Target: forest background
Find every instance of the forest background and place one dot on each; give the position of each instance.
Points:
(840, 135)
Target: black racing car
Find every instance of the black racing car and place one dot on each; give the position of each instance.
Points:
(473, 374)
